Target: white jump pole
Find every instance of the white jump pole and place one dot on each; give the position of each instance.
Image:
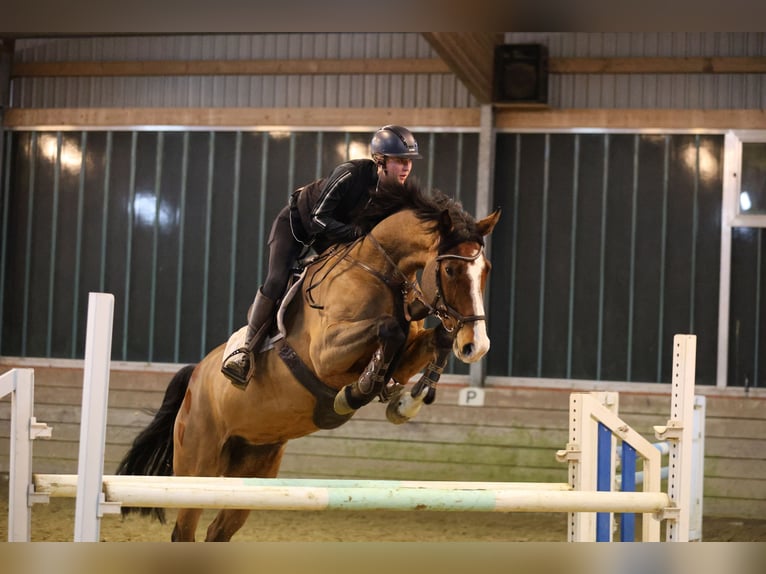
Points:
(95, 394)
(232, 492)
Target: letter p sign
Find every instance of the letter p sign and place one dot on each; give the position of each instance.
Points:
(471, 397)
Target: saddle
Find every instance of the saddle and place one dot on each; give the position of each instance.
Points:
(324, 415)
(277, 329)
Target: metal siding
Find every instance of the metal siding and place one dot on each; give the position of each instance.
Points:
(625, 226)
(675, 91)
(398, 90)
(182, 270)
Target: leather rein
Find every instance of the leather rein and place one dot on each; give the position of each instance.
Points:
(451, 319)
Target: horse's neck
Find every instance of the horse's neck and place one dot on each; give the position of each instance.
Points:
(406, 241)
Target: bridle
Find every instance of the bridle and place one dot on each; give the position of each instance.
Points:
(451, 319)
(440, 307)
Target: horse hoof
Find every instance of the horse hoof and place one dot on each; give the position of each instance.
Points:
(393, 415)
(402, 407)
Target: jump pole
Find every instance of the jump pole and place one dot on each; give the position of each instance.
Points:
(261, 494)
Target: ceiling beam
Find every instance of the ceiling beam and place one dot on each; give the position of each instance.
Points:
(714, 65)
(230, 67)
(239, 118)
(566, 66)
(470, 56)
(510, 119)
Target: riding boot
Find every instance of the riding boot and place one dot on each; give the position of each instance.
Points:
(238, 366)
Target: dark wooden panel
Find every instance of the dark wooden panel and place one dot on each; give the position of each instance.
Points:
(742, 488)
(750, 448)
(734, 508)
(721, 467)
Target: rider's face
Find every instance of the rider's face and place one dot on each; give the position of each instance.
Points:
(398, 169)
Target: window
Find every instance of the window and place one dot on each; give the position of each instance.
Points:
(742, 312)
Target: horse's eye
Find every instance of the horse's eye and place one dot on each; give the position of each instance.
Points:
(449, 270)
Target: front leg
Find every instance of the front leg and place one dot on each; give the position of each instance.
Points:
(405, 405)
(423, 346)
(374, 378)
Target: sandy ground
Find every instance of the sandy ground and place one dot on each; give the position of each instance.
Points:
(54, 522)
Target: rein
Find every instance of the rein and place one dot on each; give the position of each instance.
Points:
(398, 282)
(451, 319)
(323, 259)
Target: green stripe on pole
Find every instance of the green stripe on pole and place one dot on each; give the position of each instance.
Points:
(410, 499)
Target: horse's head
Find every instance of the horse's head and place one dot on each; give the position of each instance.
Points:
(448, 244)
(453, 283)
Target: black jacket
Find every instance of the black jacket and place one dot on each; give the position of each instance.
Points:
(327, 206)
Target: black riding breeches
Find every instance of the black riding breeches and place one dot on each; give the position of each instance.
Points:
(284, 250)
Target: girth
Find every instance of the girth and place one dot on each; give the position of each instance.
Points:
(324, 416)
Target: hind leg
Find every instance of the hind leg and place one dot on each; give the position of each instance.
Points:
(195, 453)
(186, 525)
(245, 460)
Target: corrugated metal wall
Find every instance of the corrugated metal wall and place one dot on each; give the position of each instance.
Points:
(174, 223)
(396, 90)
(677, 91)
(610, 247)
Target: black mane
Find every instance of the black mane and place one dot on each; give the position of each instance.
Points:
(428, 206)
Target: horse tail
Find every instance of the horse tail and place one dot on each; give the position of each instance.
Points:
(151, 453)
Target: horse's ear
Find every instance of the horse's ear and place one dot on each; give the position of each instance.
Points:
(486, 225)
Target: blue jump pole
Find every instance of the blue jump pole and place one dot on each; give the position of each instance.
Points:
(628, 521)
(604, 480)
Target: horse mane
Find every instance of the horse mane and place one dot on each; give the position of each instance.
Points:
(428, 205)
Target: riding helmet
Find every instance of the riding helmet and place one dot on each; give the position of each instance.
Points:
(394, 141)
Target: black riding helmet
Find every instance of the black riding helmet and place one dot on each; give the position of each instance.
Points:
(394, 141)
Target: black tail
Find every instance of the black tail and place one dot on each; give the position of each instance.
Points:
(152, 451)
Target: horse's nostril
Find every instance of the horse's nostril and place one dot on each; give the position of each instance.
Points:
(468, 349)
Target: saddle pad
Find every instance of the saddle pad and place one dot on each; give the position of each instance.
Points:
(237, 339)
(294, 288)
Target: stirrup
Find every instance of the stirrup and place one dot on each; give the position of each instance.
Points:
(234, 376)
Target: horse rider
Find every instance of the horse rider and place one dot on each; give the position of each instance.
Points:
(319, 215)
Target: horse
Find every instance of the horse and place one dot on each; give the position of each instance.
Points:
(353, 331)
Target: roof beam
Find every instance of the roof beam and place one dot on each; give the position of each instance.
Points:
(230, 67)
(509, 119)
(470, 56)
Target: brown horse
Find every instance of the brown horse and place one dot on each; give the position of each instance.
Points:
(355, 330)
